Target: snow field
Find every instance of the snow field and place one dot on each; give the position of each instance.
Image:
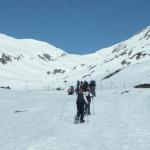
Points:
(121, 121)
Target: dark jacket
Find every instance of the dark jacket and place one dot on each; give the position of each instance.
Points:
(80, 99)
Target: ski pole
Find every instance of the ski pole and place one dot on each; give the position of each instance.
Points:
(87, 116)
(75, 111)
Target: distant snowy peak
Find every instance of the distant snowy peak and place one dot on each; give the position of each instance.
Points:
(142, 35)
(137, 46)
(143, 31)
(13, 48)
(33, 44)
(4, 36)
(146, 33)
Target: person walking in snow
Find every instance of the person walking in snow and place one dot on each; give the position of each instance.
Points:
(81, 100)
(81, 85)
(77, 87)
(92, 87)
(89, 96)
(85, 86)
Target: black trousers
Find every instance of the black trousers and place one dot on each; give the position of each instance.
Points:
(80, 109)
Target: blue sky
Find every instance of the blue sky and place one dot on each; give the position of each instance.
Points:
(76, 26)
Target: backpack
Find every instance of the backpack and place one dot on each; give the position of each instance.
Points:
(92, 83)
(80, 98)
(85, 85)
(78, 84)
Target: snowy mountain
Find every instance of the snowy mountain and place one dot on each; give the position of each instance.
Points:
(32, 64)
(44, 120)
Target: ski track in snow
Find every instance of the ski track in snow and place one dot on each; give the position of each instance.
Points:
(121, 121)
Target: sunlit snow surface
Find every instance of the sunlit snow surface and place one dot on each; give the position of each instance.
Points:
(39, 120)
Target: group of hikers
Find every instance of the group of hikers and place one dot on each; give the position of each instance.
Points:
(85, 92)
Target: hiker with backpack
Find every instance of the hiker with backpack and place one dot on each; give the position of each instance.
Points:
(92, 87)
(81, 85)
(89, 96)
(81, 100)
(85, 86)
(77, 87)
(71, 90)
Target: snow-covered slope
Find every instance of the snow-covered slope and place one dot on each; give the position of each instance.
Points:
(27, 63)
(44, 121)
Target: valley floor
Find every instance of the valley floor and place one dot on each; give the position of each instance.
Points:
(38, 120)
